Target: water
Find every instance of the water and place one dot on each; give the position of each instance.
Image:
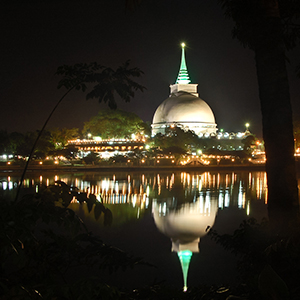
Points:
(163, 217)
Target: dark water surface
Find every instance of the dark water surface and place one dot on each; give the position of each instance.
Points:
(152, 209)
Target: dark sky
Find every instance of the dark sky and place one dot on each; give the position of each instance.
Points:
(38, 36)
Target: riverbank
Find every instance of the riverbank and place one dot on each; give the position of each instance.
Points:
(87, 168)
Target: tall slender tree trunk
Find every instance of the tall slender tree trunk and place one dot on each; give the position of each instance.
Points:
(283, 205)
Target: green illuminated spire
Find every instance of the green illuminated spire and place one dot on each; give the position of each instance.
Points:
(183, 76)
(185, 258)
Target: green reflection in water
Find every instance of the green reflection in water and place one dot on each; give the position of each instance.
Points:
(185, 258)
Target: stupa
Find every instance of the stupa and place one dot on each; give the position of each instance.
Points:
(184, 108)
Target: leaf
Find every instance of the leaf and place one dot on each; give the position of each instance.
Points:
(222, 290)
(81, 197)
(66, 198)
(93, 198)
(90, 204)
(98, 210)
(14, 248)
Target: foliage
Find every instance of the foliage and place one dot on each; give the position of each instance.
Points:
(107, 81)
(248, 142)
(61, 136)
(118, 159)
(63, 194)
(91, 159)
(268, 264)
(47, 252)
(159, 291)
(251, 24)
(43, 147)
(4, 142)
(133, 157)
(110, 82)
(176, 137)
(270, 27)
(147, 128)
(17, 143)
(189, 142)
(114, 124)
(69, 152)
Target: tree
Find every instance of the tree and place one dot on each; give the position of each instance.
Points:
(15, 140)
(42, 149)
(60, 137)
(4, 142)
(114, 124)
(268, 27)
(108, 83)
(297, 133)
(248, 142)
(178, 138)
(48, 253)
(91, 159)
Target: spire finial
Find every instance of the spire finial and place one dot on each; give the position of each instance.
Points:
(183, 76)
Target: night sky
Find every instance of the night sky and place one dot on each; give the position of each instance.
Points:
(39, 36)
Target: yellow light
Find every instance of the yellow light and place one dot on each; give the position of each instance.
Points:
(182, 45)
(8, 162)
(40, 162)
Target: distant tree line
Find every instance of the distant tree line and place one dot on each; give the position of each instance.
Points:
(107, 124)
(51, 141)
(120, 124)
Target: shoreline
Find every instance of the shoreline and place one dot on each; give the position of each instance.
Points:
(88, 168)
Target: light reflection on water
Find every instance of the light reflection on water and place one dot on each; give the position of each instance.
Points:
(179, 204)
(230, 189)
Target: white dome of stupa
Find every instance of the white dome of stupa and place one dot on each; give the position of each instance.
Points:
(184, 108)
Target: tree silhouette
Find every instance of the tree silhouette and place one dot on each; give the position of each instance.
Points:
(269, 28)
(114, 124)
(107, 83)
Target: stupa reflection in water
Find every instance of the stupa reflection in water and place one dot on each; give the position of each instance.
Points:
(184, 225)
(183, 204)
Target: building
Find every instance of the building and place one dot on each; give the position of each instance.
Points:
(107, 148)
(184, 108)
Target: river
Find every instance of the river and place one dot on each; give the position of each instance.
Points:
(159, 214)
